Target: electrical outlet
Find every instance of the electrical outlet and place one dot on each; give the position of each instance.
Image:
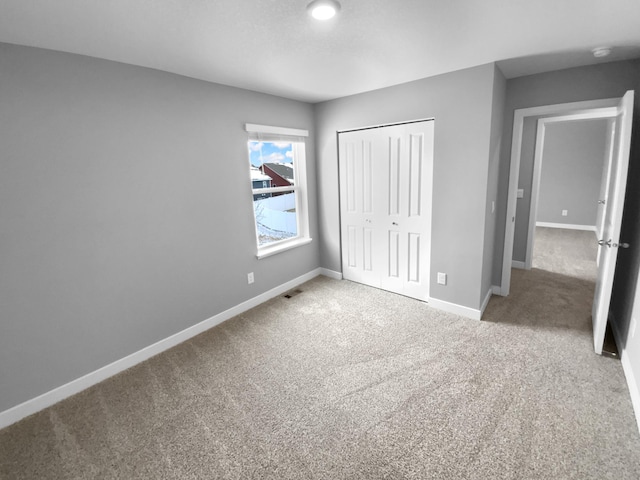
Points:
(250, 278)
(565, 213)
(442, 278)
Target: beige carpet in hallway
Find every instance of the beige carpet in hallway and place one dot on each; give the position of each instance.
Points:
(570, 252)
(348, 382)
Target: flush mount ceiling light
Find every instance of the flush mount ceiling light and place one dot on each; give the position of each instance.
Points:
(600, 52)
(323, 9)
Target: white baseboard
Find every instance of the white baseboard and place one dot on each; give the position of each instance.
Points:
(627, 368)
(518, 264)
(331, 273)
(633, 384)
(567, 226)
(51, 397)
(485, 302)
(439, 304)
(472, 313)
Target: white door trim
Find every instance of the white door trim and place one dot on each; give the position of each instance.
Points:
(514, 171)
(606, 112)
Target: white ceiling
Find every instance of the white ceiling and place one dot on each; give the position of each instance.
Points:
(274, 46)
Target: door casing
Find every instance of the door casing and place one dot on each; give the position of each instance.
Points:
(514, 170)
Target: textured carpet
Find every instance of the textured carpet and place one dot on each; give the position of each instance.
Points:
(345, 381)
(571, 252)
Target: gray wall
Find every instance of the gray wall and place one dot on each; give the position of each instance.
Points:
(525, 182)
(126, 211)
(572, 163)
(497, 125)
(461, 103)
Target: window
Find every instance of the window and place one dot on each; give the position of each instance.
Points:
(278, 185)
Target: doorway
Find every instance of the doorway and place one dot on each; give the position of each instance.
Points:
(386, 182)
(571, 169)
(614, 184)
(571, 161)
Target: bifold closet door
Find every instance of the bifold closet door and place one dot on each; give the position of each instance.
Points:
(385, 206)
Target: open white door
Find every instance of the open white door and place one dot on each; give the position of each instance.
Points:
(610, 239)
(603, 196)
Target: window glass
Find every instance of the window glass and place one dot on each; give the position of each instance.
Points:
(273, 167)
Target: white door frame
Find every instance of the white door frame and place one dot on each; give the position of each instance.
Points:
(607, 112)
(514, 170)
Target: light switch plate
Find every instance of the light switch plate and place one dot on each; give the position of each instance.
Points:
(520, 193)
(442, 278)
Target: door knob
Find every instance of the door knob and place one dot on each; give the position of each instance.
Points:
(615, 245)
(394, 223)
(601, 202)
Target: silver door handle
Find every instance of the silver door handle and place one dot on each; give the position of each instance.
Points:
(601, 202)
(394, 223)
(614, 245)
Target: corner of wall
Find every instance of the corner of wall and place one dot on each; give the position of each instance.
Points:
(496, 127)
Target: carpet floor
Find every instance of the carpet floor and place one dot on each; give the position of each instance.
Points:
(571, 252)
(344, 381)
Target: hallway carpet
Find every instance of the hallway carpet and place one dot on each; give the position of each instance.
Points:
(572, 252)
(344, 381)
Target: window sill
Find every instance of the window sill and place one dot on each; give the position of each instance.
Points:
(281, 247)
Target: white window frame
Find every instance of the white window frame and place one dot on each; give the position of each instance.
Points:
(296, 137)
